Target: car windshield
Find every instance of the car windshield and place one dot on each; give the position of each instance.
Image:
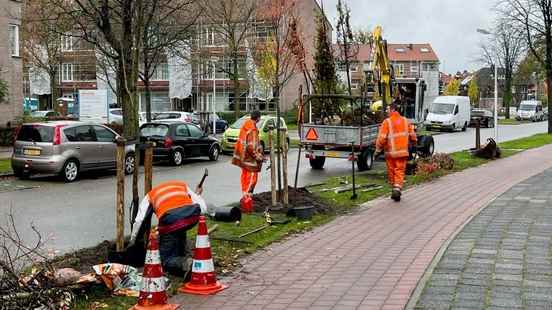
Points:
(441, 108)
(239, 123)
(36, 133)
(151, 130)
(39, 113)
(527, 107)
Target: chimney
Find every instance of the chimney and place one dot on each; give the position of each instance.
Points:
(411, 46)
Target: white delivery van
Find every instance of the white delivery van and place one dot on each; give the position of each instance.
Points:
(449, 112)
(530, 110)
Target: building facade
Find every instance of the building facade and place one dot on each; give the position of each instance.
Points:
(11, 67)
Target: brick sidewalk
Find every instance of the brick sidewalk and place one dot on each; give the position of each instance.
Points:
(502, 257)
(374, 258)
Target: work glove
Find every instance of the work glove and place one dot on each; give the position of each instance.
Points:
(378, 153)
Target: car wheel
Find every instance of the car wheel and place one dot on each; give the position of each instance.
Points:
(177, 158)
(70, 171)
(130, 163)
(365, 160)
(214, 153)
(21, 174)
(465, 127)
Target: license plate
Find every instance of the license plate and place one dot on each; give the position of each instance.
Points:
(332, 154)
(31, 152)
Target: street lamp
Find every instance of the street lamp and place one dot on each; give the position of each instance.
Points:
(485, 32)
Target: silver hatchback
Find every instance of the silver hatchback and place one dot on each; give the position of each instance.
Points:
(66, 148)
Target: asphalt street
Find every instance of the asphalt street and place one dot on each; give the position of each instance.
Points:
(81, 214)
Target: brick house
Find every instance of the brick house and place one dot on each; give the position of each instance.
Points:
(10, 60)
(408, 61)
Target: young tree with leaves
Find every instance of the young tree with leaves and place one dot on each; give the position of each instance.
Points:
(347, 45)
(453, 88)
(473, 91)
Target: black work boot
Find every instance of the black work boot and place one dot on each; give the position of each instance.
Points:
(396, 194)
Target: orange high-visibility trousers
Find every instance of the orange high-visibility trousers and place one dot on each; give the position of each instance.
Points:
(248, 181)
(396, 168)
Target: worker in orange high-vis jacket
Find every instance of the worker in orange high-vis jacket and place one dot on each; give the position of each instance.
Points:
(248, 154)
(177, 209)
(394, 136)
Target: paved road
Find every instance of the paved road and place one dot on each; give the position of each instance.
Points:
(502, 257)
(82, 214)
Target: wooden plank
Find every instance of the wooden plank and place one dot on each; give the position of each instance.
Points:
(120, 203)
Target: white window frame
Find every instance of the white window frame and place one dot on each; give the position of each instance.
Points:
(67, 72)
(424, 50)
(414, 68)
(161, 72)
(67, 43)
(399, 70)
(354, 86)
(354, 67)
(15, 38)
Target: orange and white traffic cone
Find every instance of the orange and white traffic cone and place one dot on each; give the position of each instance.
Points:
(152, 292)
(204, 280)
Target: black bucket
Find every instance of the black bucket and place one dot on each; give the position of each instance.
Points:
(134, 256)
(302, 213)
(228, 214)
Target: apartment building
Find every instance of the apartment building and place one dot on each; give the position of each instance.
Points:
(196, 83)
(11, 67)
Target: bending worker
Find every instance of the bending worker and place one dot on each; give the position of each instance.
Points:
(177, 209)
(248, 154)
(394, 136)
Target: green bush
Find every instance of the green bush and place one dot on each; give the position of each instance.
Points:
(6, 136)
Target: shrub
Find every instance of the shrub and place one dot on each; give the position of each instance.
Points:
(6, 136)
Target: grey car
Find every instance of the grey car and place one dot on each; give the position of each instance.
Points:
(66, 148)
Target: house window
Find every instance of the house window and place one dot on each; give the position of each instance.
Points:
(399, 69)
(67, 43)
(400, 50)
(161, 73)
(424, 50)
(354, 86)
(430, 67)
(67, 72)
(13, 32)
(354, 68)
(414, 68)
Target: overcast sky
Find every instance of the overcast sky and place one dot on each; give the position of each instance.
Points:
(449, 25)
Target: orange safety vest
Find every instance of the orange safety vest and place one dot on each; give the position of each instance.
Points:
(394, 135)
(168, 196)
(247, 147)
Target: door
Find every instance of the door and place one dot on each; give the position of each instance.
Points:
(106, 147)
(183, 139)
(200, 141)
(82, 139)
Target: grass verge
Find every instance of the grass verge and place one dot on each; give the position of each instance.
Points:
(5, 166)
(511, 121)
(227, 252)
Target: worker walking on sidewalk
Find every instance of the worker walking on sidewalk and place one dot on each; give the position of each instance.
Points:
(394, 137)
(177, 209)
(248, 154)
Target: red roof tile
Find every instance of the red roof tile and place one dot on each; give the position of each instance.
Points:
(410, 52)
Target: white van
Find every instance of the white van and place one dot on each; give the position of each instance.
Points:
(530, 110)
(449, 112)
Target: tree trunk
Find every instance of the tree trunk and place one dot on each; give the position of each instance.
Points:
(549, 95)
(53, 91)
(147, 85)
(508, 93)
(236, 82)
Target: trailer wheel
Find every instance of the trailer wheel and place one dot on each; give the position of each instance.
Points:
(366, 160)
(318, 162)
(427, 146)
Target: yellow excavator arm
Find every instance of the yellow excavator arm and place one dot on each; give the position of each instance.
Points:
(381, 67)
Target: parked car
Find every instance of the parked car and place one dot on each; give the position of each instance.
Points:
(449, 112)
(46, 114)
(116, 116)
(230, 136)
(545, 112)
(221, 124)
(486, 118)
(530, 110)
(66, 148)
(175, 140)
(186, 117)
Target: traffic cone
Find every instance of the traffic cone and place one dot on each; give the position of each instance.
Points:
(152, 292)
(203, 280)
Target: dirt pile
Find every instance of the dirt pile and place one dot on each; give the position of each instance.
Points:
(297, 198)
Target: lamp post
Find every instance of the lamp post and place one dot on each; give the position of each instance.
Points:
(487, 33)
(214, 60)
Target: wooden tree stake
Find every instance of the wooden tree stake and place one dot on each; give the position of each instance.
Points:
(272, 168)
(120, 194)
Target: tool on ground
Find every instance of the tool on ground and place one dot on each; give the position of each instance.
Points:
(269, 222)
(205, 175)
(204, 279)
(153, 293)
